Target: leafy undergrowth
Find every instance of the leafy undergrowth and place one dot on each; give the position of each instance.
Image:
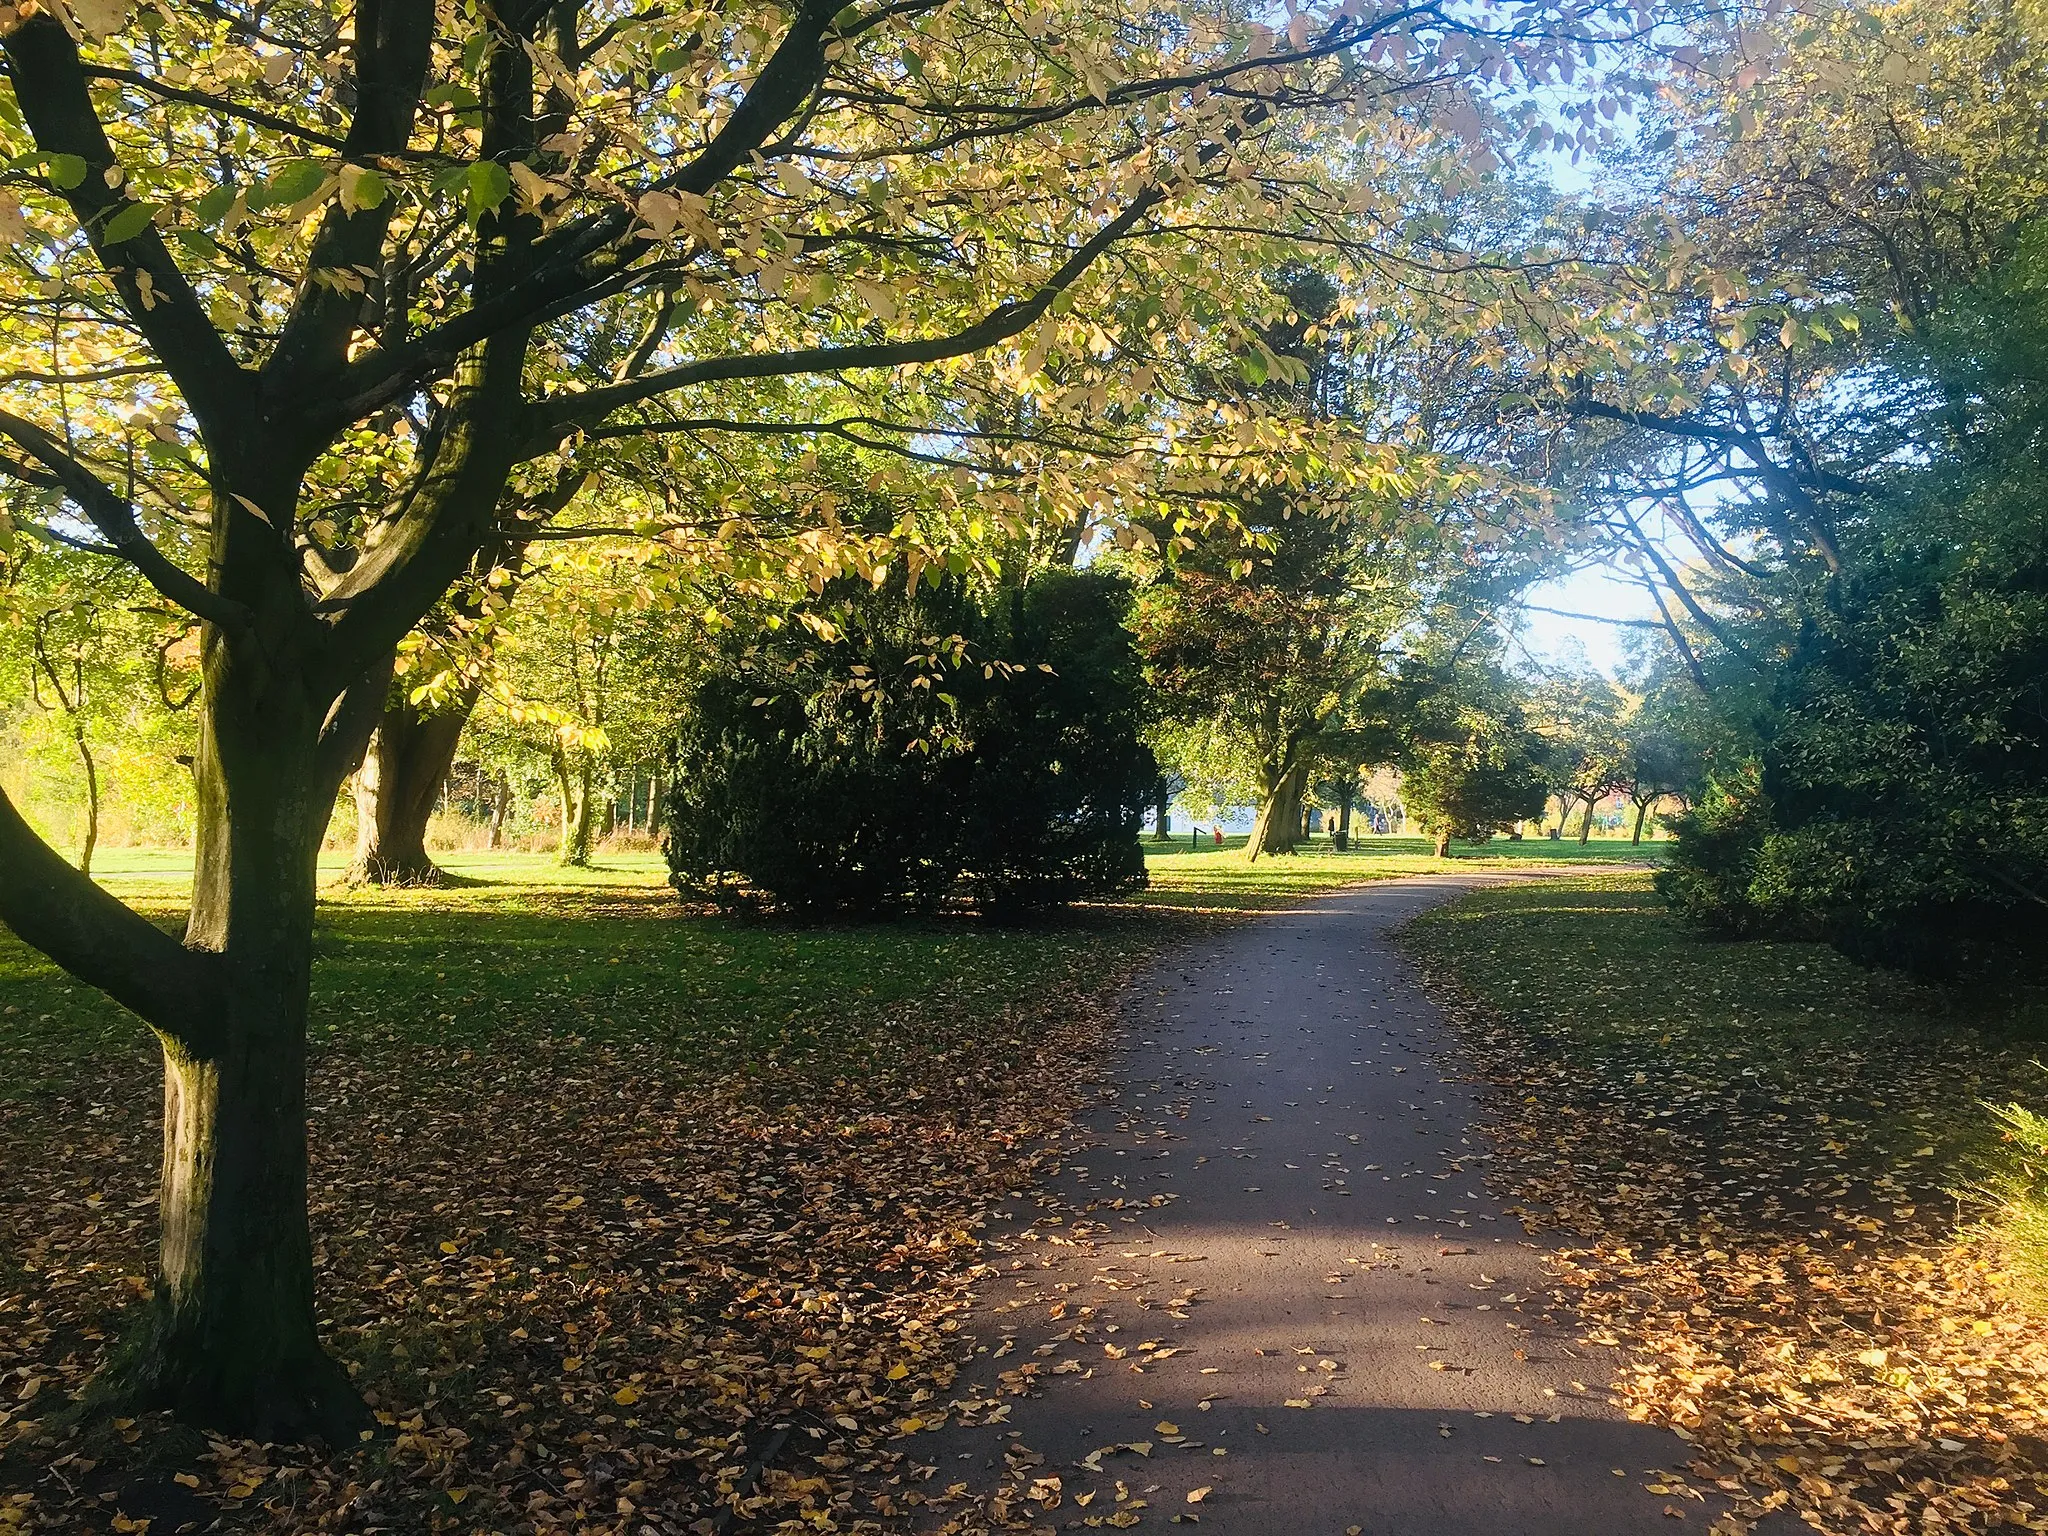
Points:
(1758, 1144)
(626, 1220)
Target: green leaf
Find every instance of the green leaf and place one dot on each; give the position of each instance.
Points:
(214, 205)
(128, 223)
(66, 171)
(362, 187)
(301, 178)
(913, 65)
(485, 186)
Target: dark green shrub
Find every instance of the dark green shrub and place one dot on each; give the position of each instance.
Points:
(878, 751)
(1899, 743)
(1712, 868)
(1058, 780)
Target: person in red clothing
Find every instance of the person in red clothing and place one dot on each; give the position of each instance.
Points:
(1219, 837)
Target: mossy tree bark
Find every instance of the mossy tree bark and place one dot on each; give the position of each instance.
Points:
(572, 782)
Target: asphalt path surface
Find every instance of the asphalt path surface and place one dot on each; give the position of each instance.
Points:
(1282, 1277)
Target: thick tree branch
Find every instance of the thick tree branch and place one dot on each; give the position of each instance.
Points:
(346, 730)
(449, 514)
(1691, 658)
(393, 47)
(1795, 485)
(55, 909)
(572, 263)
(1679, 590)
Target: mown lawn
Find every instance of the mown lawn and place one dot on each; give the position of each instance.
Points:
(1212, 879)
(1772, 1158)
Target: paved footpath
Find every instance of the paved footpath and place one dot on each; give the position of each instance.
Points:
(1292, 1284)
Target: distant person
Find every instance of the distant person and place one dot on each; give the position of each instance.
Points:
(1219, 837)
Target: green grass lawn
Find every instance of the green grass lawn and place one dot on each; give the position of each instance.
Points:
(1598, 975)
(1213, 879)
(523, 949)
(514, 947)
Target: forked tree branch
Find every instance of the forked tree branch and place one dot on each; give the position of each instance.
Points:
(51, 88)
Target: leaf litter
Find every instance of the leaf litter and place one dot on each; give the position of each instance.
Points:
(587, 1286)
(1779, 1255)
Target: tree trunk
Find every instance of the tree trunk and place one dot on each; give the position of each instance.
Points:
(232, 1341)
(574, 783)
(501, 802)
(1340, 835)
(92, 804)
(1586, 825)
(1565, 805)
(1642, 813)
(654, 803)
(1278, 828)
(1443, 842)
(404, 768)
(1162, 802)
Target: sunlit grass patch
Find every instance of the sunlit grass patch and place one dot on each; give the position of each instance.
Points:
(2018, 1190)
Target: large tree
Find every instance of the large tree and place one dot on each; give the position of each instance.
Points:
(1278, 625)
(298, 294)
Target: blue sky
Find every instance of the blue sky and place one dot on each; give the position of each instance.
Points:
(1551, 639)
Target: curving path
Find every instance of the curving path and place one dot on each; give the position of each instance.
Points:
(1328, 1319)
